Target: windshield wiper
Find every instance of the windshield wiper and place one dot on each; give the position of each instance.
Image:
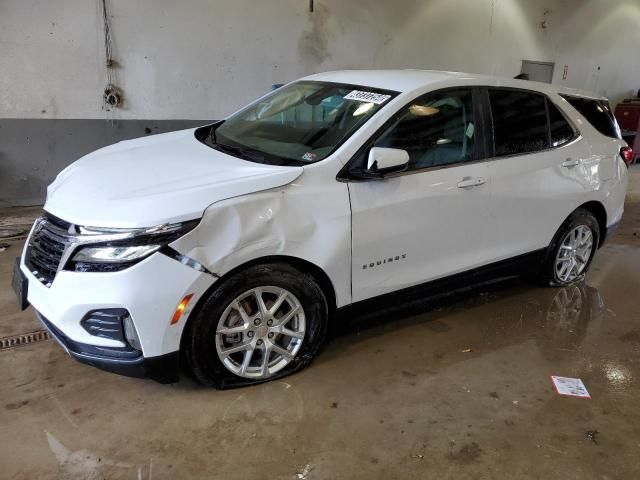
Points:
(239, 152)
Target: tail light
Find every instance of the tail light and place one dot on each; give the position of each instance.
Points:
(627, 155)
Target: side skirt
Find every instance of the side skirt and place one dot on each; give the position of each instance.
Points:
(459, 282)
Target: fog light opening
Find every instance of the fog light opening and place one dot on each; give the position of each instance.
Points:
(180, 308)
(130, 333)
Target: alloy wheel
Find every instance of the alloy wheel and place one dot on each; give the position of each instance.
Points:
(260, 332)
(574, 254)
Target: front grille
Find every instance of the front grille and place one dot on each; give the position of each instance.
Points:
(46, 247)
(57, 222)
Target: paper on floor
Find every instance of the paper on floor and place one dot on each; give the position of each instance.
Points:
(572, 387)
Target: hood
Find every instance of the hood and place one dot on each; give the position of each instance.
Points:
(153, 180)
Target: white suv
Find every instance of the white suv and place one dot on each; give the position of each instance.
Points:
(231, 246)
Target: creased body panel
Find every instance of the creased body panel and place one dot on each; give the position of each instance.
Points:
(613, 175)
(308, 219)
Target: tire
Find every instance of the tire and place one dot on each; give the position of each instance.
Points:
(299, 339)
(553, 272)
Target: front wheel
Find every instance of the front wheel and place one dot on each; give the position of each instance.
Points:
(263, 323)
(570, 253)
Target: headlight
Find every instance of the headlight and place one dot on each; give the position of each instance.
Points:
(114, 254)
(112, 250)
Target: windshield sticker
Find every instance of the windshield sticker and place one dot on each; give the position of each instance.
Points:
(370, 97)
(309, 156)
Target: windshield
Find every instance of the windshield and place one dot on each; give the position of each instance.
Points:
(298, 124)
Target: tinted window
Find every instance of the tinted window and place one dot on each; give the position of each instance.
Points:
(561, 130)
(437, 129)
(519, 121)
(597, 112)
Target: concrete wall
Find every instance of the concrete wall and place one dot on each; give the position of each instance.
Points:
(33, 151)
(202, 59)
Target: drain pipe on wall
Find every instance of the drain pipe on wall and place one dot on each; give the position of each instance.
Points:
(112, 95)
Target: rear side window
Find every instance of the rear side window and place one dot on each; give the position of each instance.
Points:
(519, 121)
(561, 130)
(597, 112)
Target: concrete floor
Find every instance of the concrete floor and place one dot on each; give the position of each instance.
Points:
(396, 395)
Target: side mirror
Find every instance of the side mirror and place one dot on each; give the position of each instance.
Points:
(387, 160)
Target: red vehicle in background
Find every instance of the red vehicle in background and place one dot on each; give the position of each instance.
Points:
(627, 114)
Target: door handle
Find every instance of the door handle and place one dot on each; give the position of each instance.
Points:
(470, 182)
(571, 162)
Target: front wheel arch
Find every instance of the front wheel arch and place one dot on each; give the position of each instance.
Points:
(210, 368)
(318, 274)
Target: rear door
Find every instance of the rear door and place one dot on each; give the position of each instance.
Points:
(541, 168)
(431, 220)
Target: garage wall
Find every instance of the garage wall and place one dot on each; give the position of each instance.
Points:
(599, 42)
(182, 62)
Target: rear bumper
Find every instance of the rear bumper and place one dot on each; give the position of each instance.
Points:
(164, 368)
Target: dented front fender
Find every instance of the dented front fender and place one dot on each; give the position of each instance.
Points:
(311, 223)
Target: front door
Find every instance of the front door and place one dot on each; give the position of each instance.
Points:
(431, 220)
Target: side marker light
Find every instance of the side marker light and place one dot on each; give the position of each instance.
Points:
(180, 308)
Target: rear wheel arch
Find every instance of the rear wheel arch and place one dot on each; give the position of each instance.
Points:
(597, 209)
(546, 273)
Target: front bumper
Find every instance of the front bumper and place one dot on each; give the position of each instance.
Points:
(163, 368)
(150, 291)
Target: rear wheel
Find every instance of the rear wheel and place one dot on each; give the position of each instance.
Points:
(570, 254)
(265, 322)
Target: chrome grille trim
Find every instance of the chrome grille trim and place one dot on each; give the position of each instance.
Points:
(53, 241)
(47, 246)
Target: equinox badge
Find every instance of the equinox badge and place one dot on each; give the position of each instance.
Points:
(377, 263)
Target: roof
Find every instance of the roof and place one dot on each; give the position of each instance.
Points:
(406, 81)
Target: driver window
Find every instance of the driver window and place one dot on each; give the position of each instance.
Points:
(436, 129)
